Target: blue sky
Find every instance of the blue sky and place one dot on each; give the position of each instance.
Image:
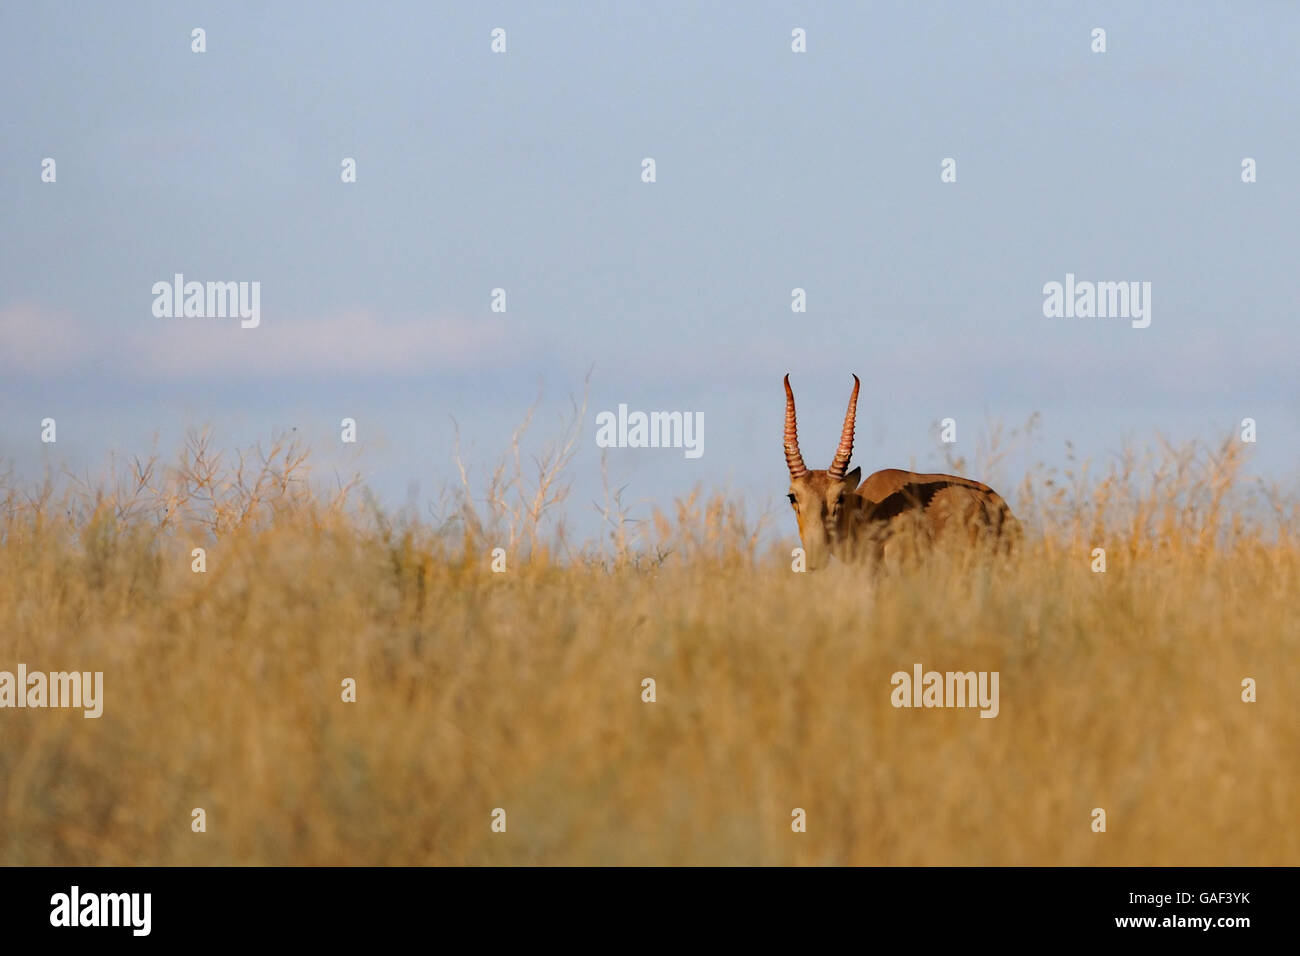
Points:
(775, 170)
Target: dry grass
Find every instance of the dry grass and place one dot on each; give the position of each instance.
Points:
(522, 690)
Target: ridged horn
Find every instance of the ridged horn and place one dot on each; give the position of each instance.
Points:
(840, 464)
(793, 459)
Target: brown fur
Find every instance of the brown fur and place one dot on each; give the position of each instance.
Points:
(892, 512)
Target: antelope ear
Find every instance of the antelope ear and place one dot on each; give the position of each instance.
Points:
(853, 478)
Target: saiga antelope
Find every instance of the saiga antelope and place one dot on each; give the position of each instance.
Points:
(870, 521)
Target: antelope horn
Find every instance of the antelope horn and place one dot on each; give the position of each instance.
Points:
(792, 457)
(842, 454)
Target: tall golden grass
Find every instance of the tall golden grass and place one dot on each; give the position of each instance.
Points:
(523, 690)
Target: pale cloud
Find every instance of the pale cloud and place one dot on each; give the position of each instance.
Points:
(355, 343)
(42, 340)
(39, 340)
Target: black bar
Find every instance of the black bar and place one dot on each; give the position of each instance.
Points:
(329, 906)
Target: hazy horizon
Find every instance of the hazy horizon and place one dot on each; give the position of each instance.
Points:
(775, 170)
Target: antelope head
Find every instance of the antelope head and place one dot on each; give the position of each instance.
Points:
(823, 501)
